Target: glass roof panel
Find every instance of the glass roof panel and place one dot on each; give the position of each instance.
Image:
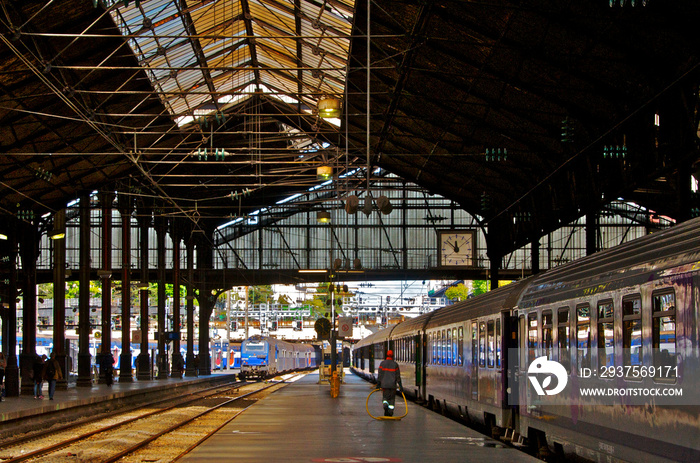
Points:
(201, 53)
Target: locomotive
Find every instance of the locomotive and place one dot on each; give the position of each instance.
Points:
(597, 359)
(264, 357)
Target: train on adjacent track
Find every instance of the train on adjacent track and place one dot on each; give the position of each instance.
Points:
(597, 359)
(264, 357)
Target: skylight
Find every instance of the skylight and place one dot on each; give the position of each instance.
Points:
(211, 55)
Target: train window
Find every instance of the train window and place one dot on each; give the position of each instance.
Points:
(448, 347)
(460, 346)
(434, 359)
(531, 336)
(663, 334)
(606, 334)
(412, 350)
(443, 348)
(482, 344)
(436, 340)
(498, 343)
(491, 341)
(632, 330)
(475, 345)
(455, 342)
(435, 346)
(583, 336)
(563, 338)
(431, 348)
(547, 340)
(523, 342)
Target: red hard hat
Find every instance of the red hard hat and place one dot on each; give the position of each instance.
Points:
(390, 353)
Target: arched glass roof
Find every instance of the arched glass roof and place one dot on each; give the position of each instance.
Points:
(204, 56)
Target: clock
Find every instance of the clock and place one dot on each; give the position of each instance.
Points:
(456, 248)
(323, 328)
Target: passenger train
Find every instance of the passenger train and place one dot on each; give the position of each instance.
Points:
(264, 357)
(617, 330)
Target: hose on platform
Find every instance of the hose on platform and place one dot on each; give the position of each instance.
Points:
(405, 403)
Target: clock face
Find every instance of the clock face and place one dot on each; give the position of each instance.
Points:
(456, 248)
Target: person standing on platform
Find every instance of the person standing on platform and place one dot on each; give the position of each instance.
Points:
(178, 366)
(109, 370)
(52, 373)
(38, 375)
(3, 364)
(389, 379)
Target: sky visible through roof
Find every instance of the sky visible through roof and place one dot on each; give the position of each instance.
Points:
(206, 58)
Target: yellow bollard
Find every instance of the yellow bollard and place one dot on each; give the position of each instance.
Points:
(335, 385)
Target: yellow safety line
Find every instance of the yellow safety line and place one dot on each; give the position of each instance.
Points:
(405, 402)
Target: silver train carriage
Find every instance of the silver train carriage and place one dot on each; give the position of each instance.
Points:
(264, 357)
(622, 319)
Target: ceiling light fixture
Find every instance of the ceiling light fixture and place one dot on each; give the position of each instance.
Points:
(324, 172)
(55, 235)
(329, 107)
(323, 217)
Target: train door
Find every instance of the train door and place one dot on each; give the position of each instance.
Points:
(475, 361)
(371, 358)
(419, 357)
(511, 367)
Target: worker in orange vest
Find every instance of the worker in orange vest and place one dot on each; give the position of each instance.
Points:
(389, 379)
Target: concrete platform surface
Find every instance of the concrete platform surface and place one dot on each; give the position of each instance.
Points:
(302, 423)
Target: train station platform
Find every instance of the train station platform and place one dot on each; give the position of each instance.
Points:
(302, 423)
(18, 413)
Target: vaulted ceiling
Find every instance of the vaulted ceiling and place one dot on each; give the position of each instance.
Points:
(526, 114)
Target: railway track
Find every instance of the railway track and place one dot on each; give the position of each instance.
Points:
(151, 433)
